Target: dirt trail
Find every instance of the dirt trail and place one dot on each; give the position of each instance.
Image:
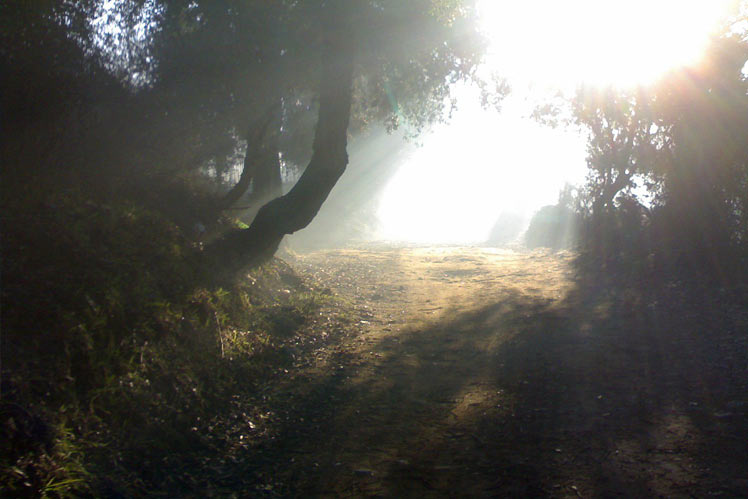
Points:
(484, 372)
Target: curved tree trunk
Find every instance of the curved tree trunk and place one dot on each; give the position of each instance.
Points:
(296, 209)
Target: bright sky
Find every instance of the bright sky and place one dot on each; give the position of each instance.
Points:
(481, 164)
(454, 187)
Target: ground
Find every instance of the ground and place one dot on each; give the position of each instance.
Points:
(489, 372)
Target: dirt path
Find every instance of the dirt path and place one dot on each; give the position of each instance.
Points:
(481, 372)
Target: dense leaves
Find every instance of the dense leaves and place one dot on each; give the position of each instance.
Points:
(668, 162)
(175, 86)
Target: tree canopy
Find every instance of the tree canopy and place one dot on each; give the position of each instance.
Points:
(674, 150)
(163, 90)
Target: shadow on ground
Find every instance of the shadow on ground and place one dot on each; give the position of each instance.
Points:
(622, 388)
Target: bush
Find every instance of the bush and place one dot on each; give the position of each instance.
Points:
(553, 226)
(119, 353)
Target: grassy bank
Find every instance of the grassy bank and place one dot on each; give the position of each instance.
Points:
(124, 367)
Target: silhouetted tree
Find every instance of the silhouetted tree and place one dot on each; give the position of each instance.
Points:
(147, 91)
(685, 140)
(704, 183)
(626, 138)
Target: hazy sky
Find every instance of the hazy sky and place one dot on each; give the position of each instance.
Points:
(483, 163)
(454, 187)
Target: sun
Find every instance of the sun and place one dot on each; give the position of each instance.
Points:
(602, 42)
(483, 164)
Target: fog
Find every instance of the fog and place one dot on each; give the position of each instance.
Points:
(350, 212)
(478, 178)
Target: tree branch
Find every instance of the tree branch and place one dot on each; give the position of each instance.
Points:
(295, 210)
(251, 156)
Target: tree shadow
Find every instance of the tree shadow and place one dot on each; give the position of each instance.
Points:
(619, 389)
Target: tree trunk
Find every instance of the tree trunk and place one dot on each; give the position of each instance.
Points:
(267, 183)
(604, 202)
(295, 210)
(254, 158)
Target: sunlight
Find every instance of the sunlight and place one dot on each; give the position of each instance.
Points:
(468, 172)
(483, 164)
(597, 41)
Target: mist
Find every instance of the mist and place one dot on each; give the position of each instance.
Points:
(479, 178)
(376, 248)
(350, 212)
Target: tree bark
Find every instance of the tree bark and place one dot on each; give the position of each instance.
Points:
(267, 183)
(604, 201)
(295, 210)
(255, 159)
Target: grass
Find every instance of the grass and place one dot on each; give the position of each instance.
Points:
(122, 366)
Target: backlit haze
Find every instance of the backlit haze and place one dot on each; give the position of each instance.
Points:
(454, 187)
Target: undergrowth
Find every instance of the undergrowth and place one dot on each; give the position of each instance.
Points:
(119, 357)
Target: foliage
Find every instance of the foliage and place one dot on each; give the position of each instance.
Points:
(171, 86)
(668, 170)
(119, 351)
(553, 226)
(123, 122)
(625, 139)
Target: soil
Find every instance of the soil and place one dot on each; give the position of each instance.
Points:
(488, 372)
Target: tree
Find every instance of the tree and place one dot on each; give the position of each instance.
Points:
(195, 88)
(553, 226)
(686, 137)
(705, 181)
(294, 211)
(261, 166)
(626, 138)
